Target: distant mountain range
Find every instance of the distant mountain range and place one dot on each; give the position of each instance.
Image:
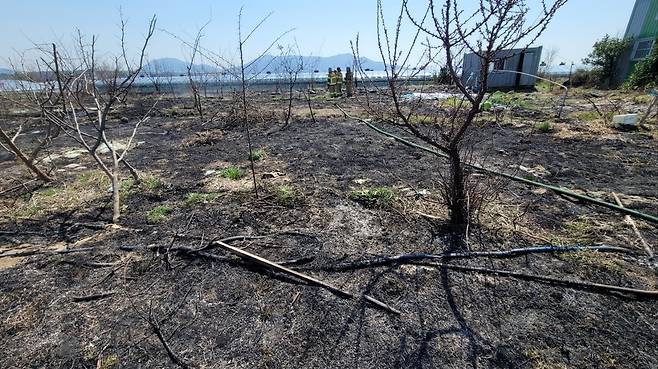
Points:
(267, 63)
(312, 63)
(6, 71)
(173, 66)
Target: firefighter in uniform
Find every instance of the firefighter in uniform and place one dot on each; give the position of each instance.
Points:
(333, 81)
(339, 82)
(349, 82)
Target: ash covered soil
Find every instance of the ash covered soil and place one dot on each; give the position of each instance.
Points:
(229, 313)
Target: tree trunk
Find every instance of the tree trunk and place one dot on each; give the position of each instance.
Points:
(132, 170)
(28, 163)
(457, 202)
(289, 112)
(116, 199)
(310, 107)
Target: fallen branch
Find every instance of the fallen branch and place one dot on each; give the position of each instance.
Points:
(71, 248)
(406, 258)
(153, 322)
(580, 285)
(633, 225)
(272, 265)
(28, 163)
(93, 297)
(123, 248)
(91, 264)
(299, 261)
(200, 252)
(22, 185)
(45, 252)
(648, 112)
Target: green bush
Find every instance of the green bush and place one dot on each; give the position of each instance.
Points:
(152, 183)
(604, 57)
(645, 73)
(443, 77)
(257, 154)
(286, 195)
(233, 173)
(585, 78)
(373, 197)
(158, 214)
(193, 198)
(544, 127)
(510, 99)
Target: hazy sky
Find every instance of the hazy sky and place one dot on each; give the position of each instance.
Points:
(321, 27)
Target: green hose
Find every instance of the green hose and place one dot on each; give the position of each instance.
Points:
(621, 209)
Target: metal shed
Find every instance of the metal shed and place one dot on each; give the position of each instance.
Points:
(514, 69)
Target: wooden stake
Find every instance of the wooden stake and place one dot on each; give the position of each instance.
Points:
(313, 281)
(646, 115)
(633, 225)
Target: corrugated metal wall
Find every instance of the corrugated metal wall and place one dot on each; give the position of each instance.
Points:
(636, 22)
(505, 78)
(650, 26)
(643, 24)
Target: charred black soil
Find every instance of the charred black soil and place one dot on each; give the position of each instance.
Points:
(225, 312)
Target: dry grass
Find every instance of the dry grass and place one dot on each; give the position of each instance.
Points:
(538, 360)
(60, 197)
(73, 193)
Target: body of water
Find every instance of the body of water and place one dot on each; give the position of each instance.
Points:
(218, 84)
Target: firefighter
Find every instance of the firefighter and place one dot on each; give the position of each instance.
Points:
(339, 82)
(349, 82)
(333, 81)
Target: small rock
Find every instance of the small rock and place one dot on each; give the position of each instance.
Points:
(124, 120)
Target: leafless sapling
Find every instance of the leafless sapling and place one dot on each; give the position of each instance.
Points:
(103, 88)
(196, 78)
(243, 72)
(153, 74)
(493, 26)
(292, 63)
(243, 68)
(37, 86)
(546, 66)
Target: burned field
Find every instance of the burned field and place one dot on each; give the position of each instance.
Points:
(157, 290)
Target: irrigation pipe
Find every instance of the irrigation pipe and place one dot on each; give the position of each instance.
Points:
(648, 217)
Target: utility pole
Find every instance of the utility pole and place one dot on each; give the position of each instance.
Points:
(566, 93)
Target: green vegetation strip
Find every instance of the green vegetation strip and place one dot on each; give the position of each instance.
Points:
(621, 209)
